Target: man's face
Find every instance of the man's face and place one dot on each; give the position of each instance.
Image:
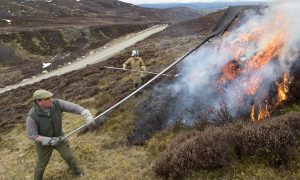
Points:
(45, 103)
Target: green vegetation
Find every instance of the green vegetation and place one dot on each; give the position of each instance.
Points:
(290, 108)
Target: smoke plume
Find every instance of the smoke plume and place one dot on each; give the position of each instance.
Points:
(257, 50)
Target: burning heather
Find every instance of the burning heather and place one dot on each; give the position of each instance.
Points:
(244, 73)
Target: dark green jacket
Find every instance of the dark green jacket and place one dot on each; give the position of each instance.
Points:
(48, 124)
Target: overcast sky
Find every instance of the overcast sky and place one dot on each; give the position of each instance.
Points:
(179, 1)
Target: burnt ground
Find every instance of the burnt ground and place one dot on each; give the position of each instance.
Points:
(295, 87)
(94, 81)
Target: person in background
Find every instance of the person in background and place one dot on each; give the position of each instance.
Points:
(44, 126)
(138, 69)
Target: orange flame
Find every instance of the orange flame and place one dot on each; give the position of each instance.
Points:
(271, 50)
(252, 114)
(263, 111)
(282, 88)
(230, 70)
(236, 67)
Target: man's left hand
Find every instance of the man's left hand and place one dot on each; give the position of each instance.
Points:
(55, 141)
(51, 141)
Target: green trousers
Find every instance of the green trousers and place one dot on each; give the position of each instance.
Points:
(44, 154)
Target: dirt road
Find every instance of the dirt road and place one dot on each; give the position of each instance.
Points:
(98, 56)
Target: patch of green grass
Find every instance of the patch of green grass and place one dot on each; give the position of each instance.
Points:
(290, 108)
(160, 141)
(69, 34)
(21, 52)
(97, 101)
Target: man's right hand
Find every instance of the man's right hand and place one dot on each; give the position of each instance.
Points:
(51, 141)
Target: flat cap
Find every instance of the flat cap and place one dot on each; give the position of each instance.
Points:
(42, 94)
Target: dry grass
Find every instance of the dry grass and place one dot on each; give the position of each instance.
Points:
(102, 154)
(245, 170)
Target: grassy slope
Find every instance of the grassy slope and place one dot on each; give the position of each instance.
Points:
(103, 154)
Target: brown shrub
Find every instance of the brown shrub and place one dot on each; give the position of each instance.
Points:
(208, 149)
(182, 138)
(274, 140)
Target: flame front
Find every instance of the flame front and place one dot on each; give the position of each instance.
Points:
(282, 88)
(246, 70)
(264, 112)
(245, 67)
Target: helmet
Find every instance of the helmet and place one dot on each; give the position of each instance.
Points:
(135, 53)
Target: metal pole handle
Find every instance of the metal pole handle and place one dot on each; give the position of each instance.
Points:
(148, 72)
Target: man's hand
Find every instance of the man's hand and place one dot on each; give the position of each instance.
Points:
(51, 141)
(55, 141)
(88, 117)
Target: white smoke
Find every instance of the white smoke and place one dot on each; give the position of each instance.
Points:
(290, 10)
(201, 70)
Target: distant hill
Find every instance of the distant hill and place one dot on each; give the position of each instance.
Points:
(41, 13)
(200, 6)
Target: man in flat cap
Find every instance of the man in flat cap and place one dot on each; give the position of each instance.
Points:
(44, 126)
